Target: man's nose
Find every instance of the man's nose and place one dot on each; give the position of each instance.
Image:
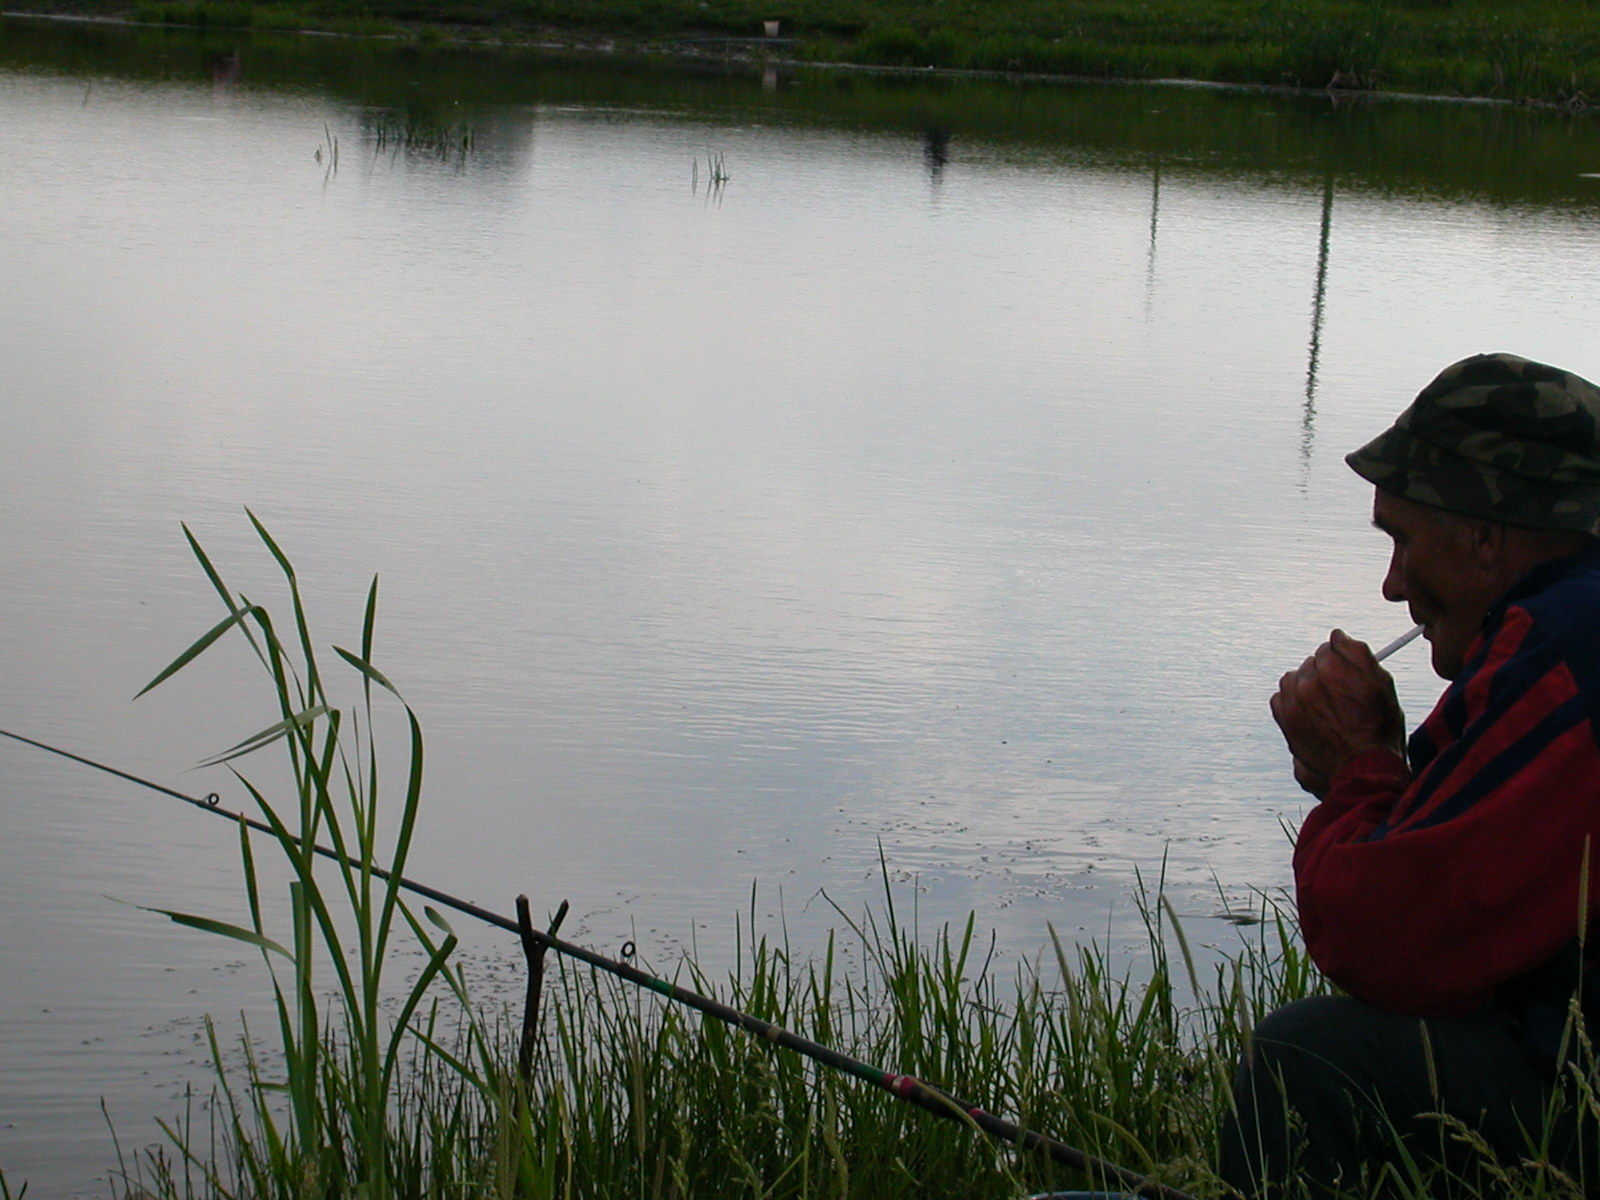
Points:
(1393, 584)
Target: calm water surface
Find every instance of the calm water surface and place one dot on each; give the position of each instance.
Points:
(952, 482)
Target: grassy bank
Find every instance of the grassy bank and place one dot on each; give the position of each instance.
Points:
(631, 1097)
(1542, 50)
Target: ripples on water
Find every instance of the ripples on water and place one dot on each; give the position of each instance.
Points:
(960, 497)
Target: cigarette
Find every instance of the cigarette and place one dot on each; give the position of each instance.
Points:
(1405, 639)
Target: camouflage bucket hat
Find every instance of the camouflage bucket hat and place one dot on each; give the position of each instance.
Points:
(1498, 437)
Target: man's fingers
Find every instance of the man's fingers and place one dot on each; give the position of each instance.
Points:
(1288, 690)
(1352, 650)
(1334, 705)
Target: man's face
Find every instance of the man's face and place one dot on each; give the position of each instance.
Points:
(1438, 570)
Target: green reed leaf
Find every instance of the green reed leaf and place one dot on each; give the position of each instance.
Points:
(222, 928)
(272, 546)
(371, 672)
(270, 734)
(199, 647)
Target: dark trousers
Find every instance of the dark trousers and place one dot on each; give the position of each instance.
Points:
(1334, 1092)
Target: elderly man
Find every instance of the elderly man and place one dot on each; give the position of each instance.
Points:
(1448, 883)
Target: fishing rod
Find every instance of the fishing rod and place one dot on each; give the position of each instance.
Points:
(905, 1087)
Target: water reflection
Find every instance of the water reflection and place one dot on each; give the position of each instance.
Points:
(1318, 299)
(936, 152)
(1497, 153)
(1155, 223)
(227, 69)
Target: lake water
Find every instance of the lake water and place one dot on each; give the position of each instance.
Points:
(951, 482)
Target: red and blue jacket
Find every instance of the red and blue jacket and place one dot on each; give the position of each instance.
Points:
(1471, 874)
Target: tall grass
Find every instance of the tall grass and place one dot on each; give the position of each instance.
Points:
(379, 1090)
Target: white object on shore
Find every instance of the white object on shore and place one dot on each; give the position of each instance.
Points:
(1405, 639)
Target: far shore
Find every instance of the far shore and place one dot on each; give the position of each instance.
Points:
(1516, 51)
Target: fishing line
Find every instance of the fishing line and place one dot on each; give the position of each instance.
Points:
(905, 1087)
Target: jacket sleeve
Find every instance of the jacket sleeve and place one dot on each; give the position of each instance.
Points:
(1424, 893)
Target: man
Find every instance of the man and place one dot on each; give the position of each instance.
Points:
(1448, 885)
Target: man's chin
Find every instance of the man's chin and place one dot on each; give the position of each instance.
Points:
(1446, 662)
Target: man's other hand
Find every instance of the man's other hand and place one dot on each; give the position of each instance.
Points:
(1338, 704)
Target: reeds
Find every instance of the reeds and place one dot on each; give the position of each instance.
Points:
(420, 134)
(716, 174)
(342, 1053)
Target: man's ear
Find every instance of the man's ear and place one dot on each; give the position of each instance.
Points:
(1486, 542)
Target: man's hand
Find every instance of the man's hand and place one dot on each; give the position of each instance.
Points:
(1338, 704)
